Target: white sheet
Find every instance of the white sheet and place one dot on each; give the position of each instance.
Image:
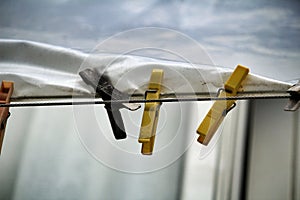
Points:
(44, 70)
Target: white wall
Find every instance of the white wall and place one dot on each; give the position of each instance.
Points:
(43, 158)
(274, 152)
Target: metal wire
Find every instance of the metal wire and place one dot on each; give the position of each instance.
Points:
(75, 101)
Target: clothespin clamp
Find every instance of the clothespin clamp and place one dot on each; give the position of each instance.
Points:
(103, 87)
(151, 112)
(6, 91)
(294, 101)
(220, 108)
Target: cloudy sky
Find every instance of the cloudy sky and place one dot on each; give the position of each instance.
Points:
(261, 34)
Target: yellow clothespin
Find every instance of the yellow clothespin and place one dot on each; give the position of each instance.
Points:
(217, 113)
(151, 112)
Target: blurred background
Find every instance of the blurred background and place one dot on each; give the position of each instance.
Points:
(257, 155)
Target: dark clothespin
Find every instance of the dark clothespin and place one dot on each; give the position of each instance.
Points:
(6, 91)
(102, 85)
(294, 102)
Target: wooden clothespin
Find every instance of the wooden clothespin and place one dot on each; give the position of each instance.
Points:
(151, 112)
(220, 108)
(6, 91)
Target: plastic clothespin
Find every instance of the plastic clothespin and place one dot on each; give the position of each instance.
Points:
(220, 108)
(151, 112)
(294, 101)
(6, 91)
(103, 87)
